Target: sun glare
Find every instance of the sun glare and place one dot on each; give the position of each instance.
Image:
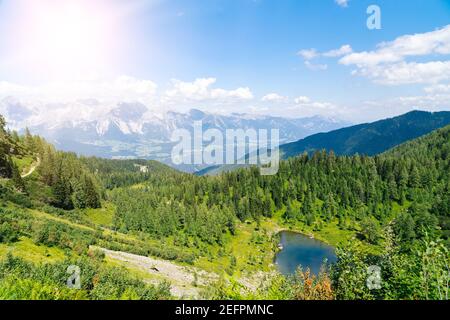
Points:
(69, 39)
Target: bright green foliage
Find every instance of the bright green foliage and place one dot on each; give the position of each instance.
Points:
(176, 216)
(362, 193)
(419, 272)
(370, 230)
(8, 232)
(70, 182)
(301, 286)
(21, 280)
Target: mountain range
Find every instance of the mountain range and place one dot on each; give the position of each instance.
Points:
(370, 138)
(131, 130)
(367, 139)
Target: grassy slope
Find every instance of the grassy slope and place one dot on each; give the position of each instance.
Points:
(103, 216)
(25, 248)
(252, 247)
(248, 252)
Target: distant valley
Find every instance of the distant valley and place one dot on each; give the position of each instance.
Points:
(131, 130)
(365, 139)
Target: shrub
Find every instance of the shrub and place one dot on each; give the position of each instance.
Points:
(8, 233)
(23, 280)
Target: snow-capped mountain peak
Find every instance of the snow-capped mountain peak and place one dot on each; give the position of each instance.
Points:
(133, 130)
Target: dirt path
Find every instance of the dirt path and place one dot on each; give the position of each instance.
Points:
(33, 167)
(185, 281)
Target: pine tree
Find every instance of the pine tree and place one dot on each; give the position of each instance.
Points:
(91, 193)
(78, 195)
(329, 208)
(16, 178)
(62, 193)
(289, 214)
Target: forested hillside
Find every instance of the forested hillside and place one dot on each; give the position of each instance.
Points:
(63, 181)
(44, 228)
(8, 148)
(370, 138)
(388, 201)
(311, 189)
(364, 139)
(390, 210)
(121, 173)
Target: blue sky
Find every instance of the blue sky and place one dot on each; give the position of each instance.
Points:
(234, 55)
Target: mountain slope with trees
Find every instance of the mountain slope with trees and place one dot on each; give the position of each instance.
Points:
(391, 209)
(44, 228)
(370, 138)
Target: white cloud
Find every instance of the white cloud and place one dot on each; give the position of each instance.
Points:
(273, 97)
(302, 99)
(374, 110)
(283, 106)
(388, 65)
(342, 3)
(430, 102)
(200, 90)
(438, 88)
(421, 44)
(239, 93)
(364, 58)
(300, 106)
(257, 109)
(131, 87)
(11, 89)
(343, 50)
(407, 73)
(315, 67)
(123, 88)
(316, 107)
(179, 96)
(306, 107)
(308, 54)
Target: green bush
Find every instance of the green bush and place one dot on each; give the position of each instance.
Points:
(23, 280)
(8, 233)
